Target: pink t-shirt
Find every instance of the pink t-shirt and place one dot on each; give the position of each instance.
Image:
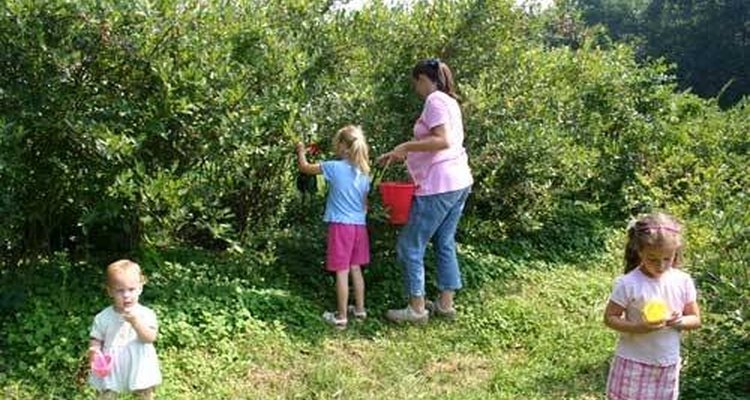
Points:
(446, 170)
(632, 291)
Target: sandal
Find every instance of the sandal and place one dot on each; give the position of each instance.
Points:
(407, 315)
(330, 318)
(358, 315)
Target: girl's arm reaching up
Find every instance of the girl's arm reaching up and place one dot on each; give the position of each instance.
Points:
(614, 318)
(304, 166)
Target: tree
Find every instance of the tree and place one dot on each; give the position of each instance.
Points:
(709, 40)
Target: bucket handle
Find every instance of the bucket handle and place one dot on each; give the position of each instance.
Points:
(378, 176)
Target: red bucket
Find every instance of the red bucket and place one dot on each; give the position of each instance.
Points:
(397, 198)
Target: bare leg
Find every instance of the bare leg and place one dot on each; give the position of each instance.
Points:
(342, 293)
(359, 288)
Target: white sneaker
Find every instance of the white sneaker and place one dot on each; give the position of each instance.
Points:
(407, 315)
(436, 310)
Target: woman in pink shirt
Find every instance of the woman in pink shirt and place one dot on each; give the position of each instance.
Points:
(439, 166)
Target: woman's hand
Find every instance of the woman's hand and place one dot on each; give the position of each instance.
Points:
(397, 154)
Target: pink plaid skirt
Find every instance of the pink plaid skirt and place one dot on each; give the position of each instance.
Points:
(633, 380)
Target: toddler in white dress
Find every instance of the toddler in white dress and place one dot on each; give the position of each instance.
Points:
(125, 331)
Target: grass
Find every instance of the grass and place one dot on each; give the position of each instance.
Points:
(529, 328)
(523, 344)
(554, 352)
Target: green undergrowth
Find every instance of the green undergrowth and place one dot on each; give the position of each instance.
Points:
(240, 326)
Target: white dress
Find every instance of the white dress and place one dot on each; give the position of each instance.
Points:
(135, 365)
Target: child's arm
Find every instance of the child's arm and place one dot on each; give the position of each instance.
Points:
(304, 166)
(95, 345)
(145, 333)
(614, 318)
(691, 318)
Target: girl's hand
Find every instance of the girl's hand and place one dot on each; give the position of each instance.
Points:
(304, 166)
(144, 332)
(131, 318)
(300, 148)
(673, 318)
(95, 346)
(647, 327)
(675, 321)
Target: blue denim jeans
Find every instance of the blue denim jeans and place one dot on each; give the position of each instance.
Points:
(433, 217)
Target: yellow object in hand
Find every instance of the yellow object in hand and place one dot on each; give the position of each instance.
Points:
(655, 310)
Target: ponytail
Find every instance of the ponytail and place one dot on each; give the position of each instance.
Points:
(357, 151)
(632, 256)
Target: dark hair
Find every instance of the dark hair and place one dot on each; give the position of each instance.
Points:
(657, 229)
(438, 72)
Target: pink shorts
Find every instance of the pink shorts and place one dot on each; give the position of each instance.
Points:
(347, 245)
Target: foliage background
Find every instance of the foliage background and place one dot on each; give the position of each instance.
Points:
(707, 40)
(163, 131)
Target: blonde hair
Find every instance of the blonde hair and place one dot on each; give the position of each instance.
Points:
(355, 143)
(124, 266)
(653, 230)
